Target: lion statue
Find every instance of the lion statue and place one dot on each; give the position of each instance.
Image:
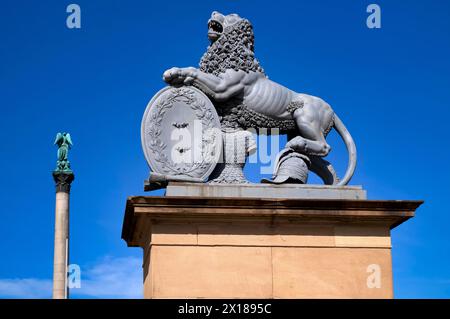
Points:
(245, 98)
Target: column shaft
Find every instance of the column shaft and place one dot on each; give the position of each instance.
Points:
(60, 260)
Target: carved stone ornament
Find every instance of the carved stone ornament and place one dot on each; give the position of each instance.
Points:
(181, 136)
(238, 145)
(63, 181)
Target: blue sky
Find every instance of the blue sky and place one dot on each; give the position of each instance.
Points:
(390, 86)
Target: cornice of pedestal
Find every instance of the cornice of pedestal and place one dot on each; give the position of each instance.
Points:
(141, 211)
(63, 179)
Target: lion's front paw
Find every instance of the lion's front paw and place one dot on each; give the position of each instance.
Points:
(178, 75)
(171, 74)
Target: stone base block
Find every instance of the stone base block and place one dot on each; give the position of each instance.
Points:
(282, 191)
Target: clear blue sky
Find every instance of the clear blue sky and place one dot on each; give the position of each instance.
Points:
(390, 86)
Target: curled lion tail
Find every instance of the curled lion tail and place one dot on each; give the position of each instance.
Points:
(351, 149)
(324, 170)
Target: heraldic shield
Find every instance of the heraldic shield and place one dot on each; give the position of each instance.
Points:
(181, 136)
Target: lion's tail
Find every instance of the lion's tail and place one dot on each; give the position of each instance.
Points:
(351, 149)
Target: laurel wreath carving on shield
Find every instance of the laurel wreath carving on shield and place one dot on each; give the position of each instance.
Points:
(157, 146)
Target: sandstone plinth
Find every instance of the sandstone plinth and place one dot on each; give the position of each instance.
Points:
(211, 247)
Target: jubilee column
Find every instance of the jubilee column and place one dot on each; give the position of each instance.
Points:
(63, 176)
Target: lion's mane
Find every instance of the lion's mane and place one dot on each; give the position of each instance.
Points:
(232, 50)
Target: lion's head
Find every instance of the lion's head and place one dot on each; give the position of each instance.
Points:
(232, 45)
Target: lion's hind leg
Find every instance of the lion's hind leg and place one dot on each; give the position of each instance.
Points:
(311, 140)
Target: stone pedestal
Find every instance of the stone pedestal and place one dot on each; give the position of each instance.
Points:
(225, 247)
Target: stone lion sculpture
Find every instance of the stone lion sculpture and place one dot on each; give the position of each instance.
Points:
(245, 98)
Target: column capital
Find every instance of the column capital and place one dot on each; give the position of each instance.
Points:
(63, 179)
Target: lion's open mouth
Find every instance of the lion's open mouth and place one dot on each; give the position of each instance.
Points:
(215, 29)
